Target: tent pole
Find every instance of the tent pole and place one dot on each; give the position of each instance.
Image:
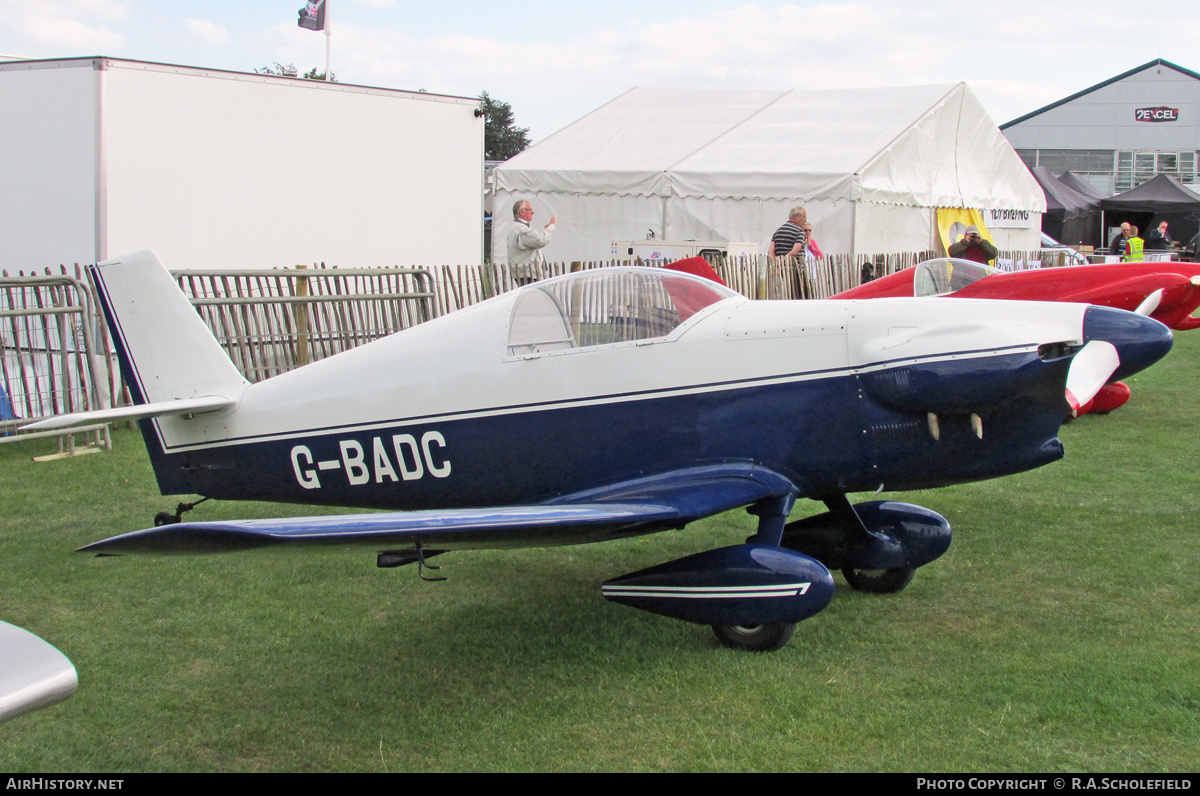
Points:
(853, 232)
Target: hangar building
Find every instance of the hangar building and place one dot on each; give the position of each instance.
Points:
(1120, 133)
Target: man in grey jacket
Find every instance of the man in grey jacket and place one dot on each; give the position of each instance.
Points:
(525, 244)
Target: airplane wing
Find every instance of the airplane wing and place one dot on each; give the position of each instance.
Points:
(639, 506)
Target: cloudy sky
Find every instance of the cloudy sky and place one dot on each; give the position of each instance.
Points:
(555, 61)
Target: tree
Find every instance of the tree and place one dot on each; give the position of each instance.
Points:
(313, 74)
(501, 137)
(279, 70)
(289, 70)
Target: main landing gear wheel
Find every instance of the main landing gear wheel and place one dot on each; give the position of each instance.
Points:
(758, 638)
(880, 581)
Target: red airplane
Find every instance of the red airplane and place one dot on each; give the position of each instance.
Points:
(1169, 292)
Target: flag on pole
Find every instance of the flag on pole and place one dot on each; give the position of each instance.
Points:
(312, 16)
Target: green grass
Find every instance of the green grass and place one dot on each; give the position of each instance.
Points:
(1059, 633)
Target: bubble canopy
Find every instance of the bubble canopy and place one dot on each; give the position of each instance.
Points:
(606, 306)
(946, 275)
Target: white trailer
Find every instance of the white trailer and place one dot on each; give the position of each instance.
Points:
(656, 250)
(213, 169)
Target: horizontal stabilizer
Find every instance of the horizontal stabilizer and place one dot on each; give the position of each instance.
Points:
(187, 406)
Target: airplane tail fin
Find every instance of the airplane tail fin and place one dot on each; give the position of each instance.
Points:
(166, 351)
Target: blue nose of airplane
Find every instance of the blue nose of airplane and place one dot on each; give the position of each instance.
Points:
(1140, 341)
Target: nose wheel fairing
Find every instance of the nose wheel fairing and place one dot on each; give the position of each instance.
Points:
(875, 535)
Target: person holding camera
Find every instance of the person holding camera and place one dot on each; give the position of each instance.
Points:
(1159, 239)
(974, 247)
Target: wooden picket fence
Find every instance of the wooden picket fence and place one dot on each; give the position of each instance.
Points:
(274, 321)
(458, 286)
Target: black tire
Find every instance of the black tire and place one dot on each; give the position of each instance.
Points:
(760, 638)
(880, 581)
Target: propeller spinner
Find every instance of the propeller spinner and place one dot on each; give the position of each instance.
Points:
(1116, 343)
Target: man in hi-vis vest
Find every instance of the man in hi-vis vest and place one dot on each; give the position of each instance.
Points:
(1134, 247)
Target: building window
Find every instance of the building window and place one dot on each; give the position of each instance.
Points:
(1081, 161)
(1135, 168)
(1187, 167)
(1122, 170)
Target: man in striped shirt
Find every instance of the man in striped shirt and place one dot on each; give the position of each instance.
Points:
(789, 240)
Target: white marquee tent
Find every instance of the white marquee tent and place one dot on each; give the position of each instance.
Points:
(871, 165)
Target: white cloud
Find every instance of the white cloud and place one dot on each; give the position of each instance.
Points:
(68, 33)
(105, 10)
(209, 32)
(827, 46)
(67, 24)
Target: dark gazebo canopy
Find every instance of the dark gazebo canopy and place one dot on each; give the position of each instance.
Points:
(1163, 194)
(1073, 180)
(1061, 199)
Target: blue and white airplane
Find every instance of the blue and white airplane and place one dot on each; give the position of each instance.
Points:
(615, 403)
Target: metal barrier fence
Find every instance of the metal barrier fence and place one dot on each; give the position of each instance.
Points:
(49, 357)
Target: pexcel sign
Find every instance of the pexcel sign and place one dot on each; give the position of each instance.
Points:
(1159, 114)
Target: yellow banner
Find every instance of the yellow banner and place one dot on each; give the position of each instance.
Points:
(953, 223)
